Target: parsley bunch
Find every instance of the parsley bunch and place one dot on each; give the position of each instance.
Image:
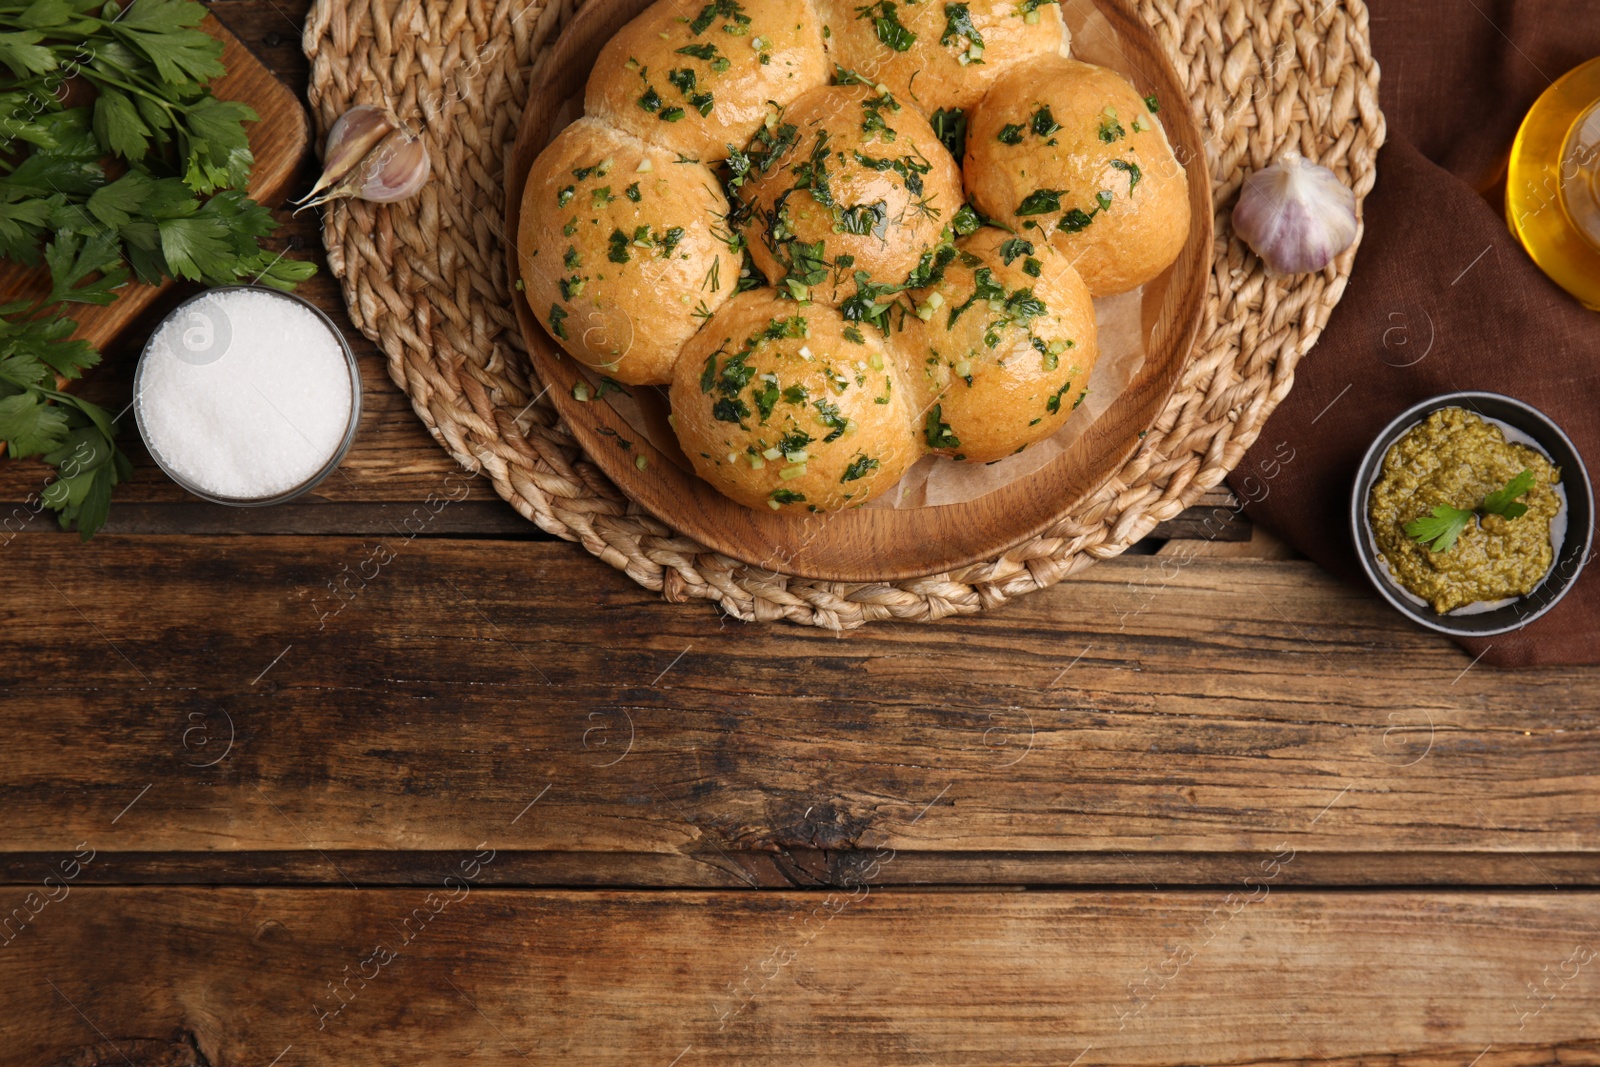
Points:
(143, 181)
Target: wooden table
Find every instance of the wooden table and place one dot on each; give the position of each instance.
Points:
(363, 779)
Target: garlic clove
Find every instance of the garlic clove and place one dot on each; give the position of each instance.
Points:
(396, 169)
(351, 137)
(1296, 215)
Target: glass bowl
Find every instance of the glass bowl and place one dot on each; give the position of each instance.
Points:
(204, 354)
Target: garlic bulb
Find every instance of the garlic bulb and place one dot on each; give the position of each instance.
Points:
(1296, 215)
(396, 168)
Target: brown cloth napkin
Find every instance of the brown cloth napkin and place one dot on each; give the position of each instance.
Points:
(1439, 273)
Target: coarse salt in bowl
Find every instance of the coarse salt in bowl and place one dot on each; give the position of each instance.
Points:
(247, 395)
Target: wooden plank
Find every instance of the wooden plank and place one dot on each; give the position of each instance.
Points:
(1149, 705)
(1251, 975)
(809, 868)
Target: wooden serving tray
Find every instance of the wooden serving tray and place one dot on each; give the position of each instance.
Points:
(872, 544)
(279, 142)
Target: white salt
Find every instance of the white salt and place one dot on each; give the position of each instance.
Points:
(246, 394)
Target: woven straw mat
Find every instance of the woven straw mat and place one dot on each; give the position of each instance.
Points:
(426, 280)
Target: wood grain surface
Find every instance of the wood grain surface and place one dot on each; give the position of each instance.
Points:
(1059, 832)
(396, 693)
(873, 544)
(1247, 975)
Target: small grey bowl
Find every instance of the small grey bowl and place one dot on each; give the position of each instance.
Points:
(327, 468)
(1579, 510)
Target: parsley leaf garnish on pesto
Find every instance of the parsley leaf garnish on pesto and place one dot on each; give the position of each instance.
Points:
(1444, 523)
(1441, 527)
(1503, 501)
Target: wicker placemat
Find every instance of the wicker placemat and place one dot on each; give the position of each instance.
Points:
(426, 281)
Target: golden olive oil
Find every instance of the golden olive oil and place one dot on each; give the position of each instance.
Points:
(1553, 183)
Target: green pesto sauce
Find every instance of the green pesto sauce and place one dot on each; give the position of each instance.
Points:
(1456, 458)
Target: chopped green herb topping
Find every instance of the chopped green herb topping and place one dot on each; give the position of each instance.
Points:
(937, 431)
(1130, 169)
(728, 9)
(829, 413)
(860, 467)
(950, 126)
(958, 24)
(558, 316)
(1053, 403)
(619, 247)
(1041, 202)
(1010, 133)
(891, 31)
(1013, 247)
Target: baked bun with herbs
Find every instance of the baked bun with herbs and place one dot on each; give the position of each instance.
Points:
(846, 181)
(1001, 347)
(698, 78)
(1072, 152)
(791, 406)
(620, 255)
(718, 154)
(938, 56)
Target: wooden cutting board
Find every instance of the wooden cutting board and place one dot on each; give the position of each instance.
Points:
(279, 142)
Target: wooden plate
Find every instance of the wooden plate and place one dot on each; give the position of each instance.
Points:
(872, 544)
